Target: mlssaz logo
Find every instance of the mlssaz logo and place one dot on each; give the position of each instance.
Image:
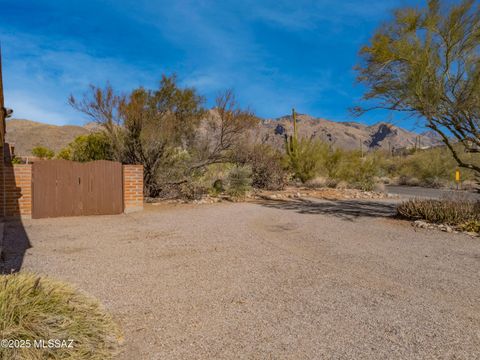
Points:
(53, 344)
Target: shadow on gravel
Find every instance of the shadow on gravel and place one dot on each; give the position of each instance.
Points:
(345, 209)
(15, 244)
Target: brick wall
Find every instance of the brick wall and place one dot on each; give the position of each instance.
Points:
(132, 188)
(18, 190)
(16, 199)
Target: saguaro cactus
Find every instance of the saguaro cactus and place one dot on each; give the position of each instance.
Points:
(292, 146)
(291, 142)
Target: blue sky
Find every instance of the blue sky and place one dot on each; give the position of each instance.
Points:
(275, 54)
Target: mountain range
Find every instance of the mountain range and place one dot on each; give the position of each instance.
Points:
(350, 135)
(26, 134)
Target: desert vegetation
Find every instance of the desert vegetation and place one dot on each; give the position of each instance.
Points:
(43, 152)
(189, 151)
(94, 146)
(433, 167)
(460, 213)
(37, 307)
(168, 131)
(425, 63)
(311, 162)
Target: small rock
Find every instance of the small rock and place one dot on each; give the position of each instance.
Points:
(421, 224)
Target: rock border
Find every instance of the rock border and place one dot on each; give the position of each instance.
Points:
(422, 224)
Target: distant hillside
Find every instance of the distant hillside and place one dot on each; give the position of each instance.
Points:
(348, 135)
(26, 134)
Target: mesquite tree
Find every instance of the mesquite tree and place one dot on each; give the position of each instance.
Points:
(426, 62)
(167, 130)
(146, 126)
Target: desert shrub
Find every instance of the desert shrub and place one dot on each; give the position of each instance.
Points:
(239, 180)
(308, 159)
(268, 171)
(431, 167)
(218, 186)
(65, 154)
(471, 226)
(408, 180)
(350, 169)
(192, 190)
(94, 146)
(317, 182)
(17, 160)
(332, 161)
(342, 185)
(446, 211)
(316, 160)
(212, 179)
(34, 307)
(358, 171)
(43, 152)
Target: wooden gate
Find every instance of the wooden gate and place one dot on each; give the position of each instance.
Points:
(68, 188)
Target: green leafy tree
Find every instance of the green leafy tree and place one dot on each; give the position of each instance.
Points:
(43, 152)
(426, 62)
(65, 154)
(94, 146)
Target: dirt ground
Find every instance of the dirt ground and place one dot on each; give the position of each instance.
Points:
(278, 279)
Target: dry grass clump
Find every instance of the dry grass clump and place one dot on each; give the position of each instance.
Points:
(463, 214)
(34, 308)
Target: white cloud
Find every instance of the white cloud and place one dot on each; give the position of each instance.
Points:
(217, 44)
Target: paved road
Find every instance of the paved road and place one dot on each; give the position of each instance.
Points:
(421, 192)
(277, 279)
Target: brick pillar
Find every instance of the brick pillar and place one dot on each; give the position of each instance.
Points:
(132, 188)
(18, 190)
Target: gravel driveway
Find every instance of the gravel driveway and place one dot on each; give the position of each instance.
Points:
(271, 280)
